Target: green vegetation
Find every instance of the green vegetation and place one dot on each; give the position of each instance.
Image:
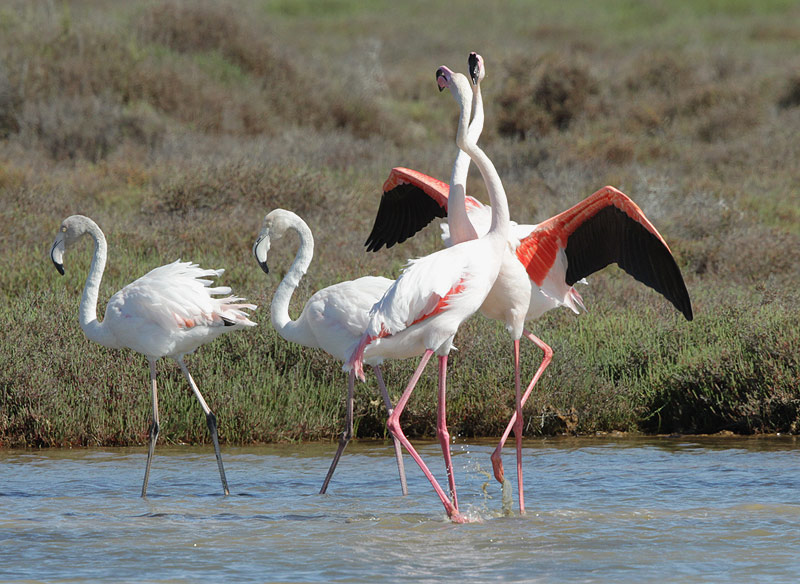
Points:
(178, 125)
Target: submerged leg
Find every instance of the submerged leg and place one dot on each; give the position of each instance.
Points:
(518, 426)
(398, 449)
(497, 462)
(441, 428)
(211, 422)
(394, 427)
(154, 428)
(347, 434)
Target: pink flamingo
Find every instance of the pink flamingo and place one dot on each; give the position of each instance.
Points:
(333, 319)
(168, 312)
(421, 312)
(606, 227)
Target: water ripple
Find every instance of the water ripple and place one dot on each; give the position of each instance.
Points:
(666, 510)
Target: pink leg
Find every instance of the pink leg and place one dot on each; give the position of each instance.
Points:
(441, 428)
(518, 427)
(394, 427)
(497, 462)
(398, 452)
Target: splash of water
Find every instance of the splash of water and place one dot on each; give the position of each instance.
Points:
(507, 504)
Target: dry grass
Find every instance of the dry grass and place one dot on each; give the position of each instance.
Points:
(177, 125)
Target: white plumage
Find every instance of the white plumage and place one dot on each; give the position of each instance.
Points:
(422, 311)
(544, 260)
(168, 312)
(333, 319)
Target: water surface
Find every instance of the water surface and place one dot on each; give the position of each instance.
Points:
(599, 510)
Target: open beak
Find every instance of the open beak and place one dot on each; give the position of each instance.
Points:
(57, 254)
(260, 249)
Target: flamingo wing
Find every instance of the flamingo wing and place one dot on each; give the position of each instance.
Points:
(607, 227)
(179, 296)
(423, 289)
(410, 201)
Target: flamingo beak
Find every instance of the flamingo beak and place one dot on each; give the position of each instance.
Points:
(260, 249)
(441, 78)
(472, 62)
(57, 254)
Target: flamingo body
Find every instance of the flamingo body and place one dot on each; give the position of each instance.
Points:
(171, 311)
(334, 316)
(428, 302)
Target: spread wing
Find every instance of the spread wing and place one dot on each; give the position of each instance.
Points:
(607, 227)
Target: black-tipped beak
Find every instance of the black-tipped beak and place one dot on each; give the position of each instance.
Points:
(441, 80)
(472, 62)
(57, 254)
(260, 249)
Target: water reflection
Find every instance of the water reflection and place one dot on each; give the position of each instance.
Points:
(681, 509)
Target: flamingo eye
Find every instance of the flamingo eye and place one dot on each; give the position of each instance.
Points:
(63, 229)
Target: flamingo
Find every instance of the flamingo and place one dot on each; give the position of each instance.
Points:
(421, 311)
(333, 319)
(168, 312)
(607, 227)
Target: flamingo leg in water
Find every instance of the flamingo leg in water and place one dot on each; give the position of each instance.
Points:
(153, 426)
(211, 421)
(497, 462)
(518, 426)
(347, 434)
(441, 428)
(394, 427)
(398, 449)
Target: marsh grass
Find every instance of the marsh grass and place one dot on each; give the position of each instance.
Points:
(178, 125)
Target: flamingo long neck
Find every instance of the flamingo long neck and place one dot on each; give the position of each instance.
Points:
(461, 228)
(279, 310)
(92, 328)
(467, 141)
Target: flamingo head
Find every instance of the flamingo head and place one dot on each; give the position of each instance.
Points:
(275, 225)
(69, 232)
(455, 82)
(477, 70)
(443, 76)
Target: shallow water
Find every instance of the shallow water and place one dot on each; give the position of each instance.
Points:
(599, 510)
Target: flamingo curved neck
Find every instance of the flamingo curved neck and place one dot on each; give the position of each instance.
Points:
(494, 186)
(92, 328)
(461, 228)
(279, 309)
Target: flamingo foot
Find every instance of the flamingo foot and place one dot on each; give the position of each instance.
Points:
(497, 466)
(456, 517)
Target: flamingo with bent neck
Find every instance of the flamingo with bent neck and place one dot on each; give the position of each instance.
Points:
(168, 312)
(333, 319)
